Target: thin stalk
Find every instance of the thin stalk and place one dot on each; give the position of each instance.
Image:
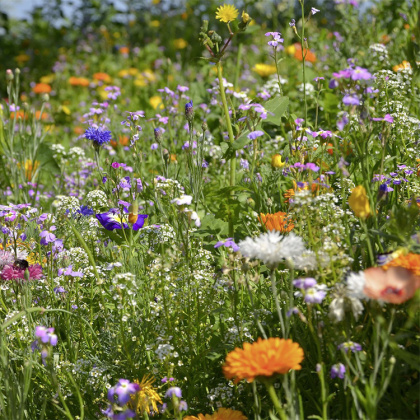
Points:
(276, 402)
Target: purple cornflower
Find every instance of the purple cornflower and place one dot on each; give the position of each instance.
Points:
(228, 243)
(338, 371)
(122, 391)
(98, 136)
(350, 345)
(85, 211)
(174, 391)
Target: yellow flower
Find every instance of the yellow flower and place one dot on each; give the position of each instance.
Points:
(155, 23)
(359, 202)
(47, 79)
(264, 70)
(220, 414)
(147, 396)
(263, 359)
(276, 161)
(226, 13)
(291, 49)
(156, 102)
(245, 17)
(180, 43)
(22, 58)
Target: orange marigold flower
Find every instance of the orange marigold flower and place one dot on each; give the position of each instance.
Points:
(42, 88)
(404, 65)
(124, 50)
(278, 221)
(79, 81)
(220, 414)
(308, 54)
(263, 359)
(410, 262)
(104, 77)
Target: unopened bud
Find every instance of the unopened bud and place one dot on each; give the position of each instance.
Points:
(189, 111)
(45, 97)
(27, 276)
(204, 126)
(251, 202)
(245, 17)
(158, 133)
(9, 75)
(17, 71)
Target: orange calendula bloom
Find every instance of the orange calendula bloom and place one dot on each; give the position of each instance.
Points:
(359, 202)
(79, 81)
(220, 414)
(404, 65)
(42, 88)
(263, 359)
(278, 221)
(409, 261)
(297, 53)
(104, 77)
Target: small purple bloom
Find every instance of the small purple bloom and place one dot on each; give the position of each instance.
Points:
(255, 134)
(174, 391)
(122, 391)
(351, 99)
(304, 283)
(350, 345)
(338, 371)
(228, 243)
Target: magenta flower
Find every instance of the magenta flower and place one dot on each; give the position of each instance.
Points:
(11, 272)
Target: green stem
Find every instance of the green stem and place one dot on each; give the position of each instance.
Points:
(231, 137)
(276, 402)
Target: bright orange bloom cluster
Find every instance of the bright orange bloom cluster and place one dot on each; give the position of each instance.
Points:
(104, 77)
(278, 221)
(42, 88)
(308, 54)
(79, 81)
(263, 359)
(404, 65)
(410, 262)
(220, 414)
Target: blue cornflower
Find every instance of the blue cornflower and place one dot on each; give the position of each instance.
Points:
(189, 111)
(98, 136)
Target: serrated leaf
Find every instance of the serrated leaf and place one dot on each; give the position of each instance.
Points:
(278, 107)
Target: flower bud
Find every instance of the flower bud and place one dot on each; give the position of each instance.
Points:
(158, 134)
(45, 97)
(9, 75)
(204, 126)
(189, 111)
(245, 17)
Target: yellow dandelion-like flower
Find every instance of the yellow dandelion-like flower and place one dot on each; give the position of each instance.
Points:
(147, 397)
(227, 13)
(264, 70)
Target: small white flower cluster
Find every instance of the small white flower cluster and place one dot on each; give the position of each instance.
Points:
(310, 89)
(76, 256)
(96, 200)
(169, 188)
(379, 54)
(76, 153)
(223, 394)
(66, 205)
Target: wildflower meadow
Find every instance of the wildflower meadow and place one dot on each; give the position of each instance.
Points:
(210, 210)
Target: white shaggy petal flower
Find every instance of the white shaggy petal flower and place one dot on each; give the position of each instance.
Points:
(183, 200)
(273, 248)
(355, 285)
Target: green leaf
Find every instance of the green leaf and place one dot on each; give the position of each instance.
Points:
(45, 156)
(278, 107)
